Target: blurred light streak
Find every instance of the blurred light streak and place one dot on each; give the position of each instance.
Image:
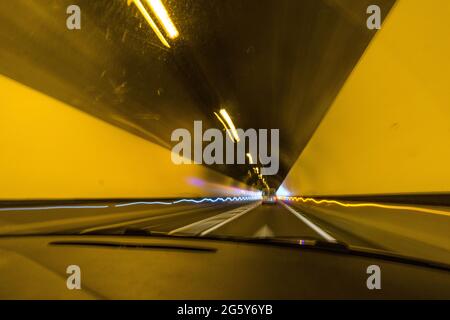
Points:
(230, 124)
(150, 21)
(213, 200)
(196, 182)
(161, 13)
(142, 202)
(250, 158)
(375, 205)
(210, 200)
(225, 126)
(53, 207)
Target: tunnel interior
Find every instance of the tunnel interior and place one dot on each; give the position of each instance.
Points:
(296, 66)
(224, 149)
(270, 64)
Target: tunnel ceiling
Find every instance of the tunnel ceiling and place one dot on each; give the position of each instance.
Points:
(271, 64)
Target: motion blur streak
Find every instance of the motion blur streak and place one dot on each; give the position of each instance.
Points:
(211, 200)
(225, 126)
(160, 11)
(52, 208)
(150, 21)
(142, 202)
(358, 205)
(230, 124)
(250, 158)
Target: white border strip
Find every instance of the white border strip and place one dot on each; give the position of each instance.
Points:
(325, 235)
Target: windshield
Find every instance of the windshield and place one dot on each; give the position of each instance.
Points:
(231, 119)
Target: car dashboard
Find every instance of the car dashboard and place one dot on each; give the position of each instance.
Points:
(135, 267)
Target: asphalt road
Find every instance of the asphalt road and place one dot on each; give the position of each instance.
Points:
(267, 221)
(398, 229)
(98, 216)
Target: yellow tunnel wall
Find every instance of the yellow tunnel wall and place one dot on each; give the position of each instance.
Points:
(388, 131)
(49, 150)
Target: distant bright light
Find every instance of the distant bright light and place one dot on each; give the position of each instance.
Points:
(230, 124)
(283, 192)
(161, 13)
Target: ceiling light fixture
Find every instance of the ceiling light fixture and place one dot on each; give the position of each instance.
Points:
(225, 126)
(230, 124)
(161, 13)
(150, 21)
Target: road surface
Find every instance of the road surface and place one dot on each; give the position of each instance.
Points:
(404, 230)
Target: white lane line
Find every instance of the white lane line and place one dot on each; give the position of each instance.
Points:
(228, 220)
(325, 235)
(200, 222)
(193, 224)
(135, 221)
(264, 232)
(234, 212)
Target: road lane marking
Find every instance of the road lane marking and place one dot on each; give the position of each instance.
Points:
(313, 226)
(264, 232)
(217, 226)
(235, 213)
(65, 223)
(141, 220)
(201, 222)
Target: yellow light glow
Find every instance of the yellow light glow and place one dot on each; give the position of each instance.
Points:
(376, 205)
(230, 124)
(250, 158)
(150, 21)
(161, 13)
(225, 126)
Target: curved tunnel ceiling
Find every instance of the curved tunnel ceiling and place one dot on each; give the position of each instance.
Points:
(272, 64)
